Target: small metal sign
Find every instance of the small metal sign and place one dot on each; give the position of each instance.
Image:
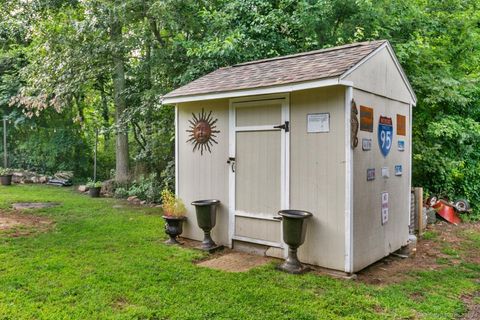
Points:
(401, 125)
(398, 170)
(370, 174)
(366, 144)
(318, 122)
(401, 145)
(385, 131)
(366, 118)
(385, 172)
(384, 207)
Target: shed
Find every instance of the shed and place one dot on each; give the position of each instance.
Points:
(327, 131)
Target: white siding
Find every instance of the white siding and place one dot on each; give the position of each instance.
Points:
(380, 75)
(318, 175)
(204, 177)
(372, 241)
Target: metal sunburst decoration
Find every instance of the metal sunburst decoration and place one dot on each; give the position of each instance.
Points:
(202, 131)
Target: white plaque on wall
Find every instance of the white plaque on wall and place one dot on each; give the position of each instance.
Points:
(384, 207)
(318, 122)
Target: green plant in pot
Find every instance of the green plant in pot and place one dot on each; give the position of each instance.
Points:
(6, 176)
(173, 214)
(94, 188)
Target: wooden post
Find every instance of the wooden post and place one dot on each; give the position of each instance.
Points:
(419, 209)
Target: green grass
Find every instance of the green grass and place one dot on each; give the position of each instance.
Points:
(100, 262)
(429, 235)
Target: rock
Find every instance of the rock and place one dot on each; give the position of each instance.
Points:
(82, 188)
(132, 199)
(64, 175)
(43, 179)
(143, 202)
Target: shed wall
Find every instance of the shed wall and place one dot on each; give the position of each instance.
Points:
(372, 240)
(381, 76)
(204, 176)
(317, 176)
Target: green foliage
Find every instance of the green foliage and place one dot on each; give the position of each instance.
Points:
(5, 171)
(121, 192)
(447, 161)
(94, 184)
(145, 188)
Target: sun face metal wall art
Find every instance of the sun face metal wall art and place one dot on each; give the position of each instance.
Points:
(202, 131)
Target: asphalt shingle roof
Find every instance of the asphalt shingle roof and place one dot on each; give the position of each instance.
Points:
(307, 66)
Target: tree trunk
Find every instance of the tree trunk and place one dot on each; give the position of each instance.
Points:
(121, 174)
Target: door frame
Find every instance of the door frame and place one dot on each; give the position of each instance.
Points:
(284, 160)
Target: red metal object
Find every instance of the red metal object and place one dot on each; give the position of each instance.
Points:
(446, 211)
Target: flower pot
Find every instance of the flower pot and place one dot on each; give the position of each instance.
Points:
(173, 228)
(294, 228)
(94, 192)
(6, 180)
(206, 211)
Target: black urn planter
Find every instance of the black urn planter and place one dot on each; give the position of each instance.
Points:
(94, 192)
(206, 218)
(173, 228)
(6, 180)
(294, 228)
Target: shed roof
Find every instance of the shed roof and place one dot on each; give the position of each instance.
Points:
(285, 70)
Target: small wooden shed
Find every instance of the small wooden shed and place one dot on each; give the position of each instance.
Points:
(327, 131)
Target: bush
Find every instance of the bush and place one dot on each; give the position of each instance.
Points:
(446, 160)
(121, 193)
(147, 189)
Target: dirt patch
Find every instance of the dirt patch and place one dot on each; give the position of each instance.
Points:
(34, 205)
(235, 262)
(18, 225)
(445, 247)
(473, 306)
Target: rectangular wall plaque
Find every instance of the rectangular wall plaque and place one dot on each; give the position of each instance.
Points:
(401, 125)
(401, 145)
(366, 118)
(398, 170)
(384, 207)
(366, 144)
(370, 174)
(318, 122)
(385, 172)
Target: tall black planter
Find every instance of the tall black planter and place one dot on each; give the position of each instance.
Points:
(294, 229)
(6, 180)
(206, 218)
(173, 228)
(94, 192)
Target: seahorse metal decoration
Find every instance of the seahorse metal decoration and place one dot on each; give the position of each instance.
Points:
(202, 131)
(354, 125)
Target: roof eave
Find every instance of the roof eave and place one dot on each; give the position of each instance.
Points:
(283, 88)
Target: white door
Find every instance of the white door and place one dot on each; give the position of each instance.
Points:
(259, 136)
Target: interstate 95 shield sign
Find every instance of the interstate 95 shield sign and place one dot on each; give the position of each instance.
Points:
(385, 133)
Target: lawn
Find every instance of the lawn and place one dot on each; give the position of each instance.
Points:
(100, 260)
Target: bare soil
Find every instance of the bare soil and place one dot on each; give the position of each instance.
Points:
(13, 224)
(426, 256)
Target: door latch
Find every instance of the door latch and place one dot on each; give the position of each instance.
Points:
(285, 126)
(231, 162)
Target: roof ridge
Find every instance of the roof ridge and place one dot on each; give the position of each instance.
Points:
(308, 53)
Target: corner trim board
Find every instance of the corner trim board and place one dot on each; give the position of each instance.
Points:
(348, 185)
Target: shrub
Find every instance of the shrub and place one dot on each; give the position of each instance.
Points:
(171, 205)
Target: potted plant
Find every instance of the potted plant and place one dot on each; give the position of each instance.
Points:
(94, 188)
(173, 214)
(6, 176)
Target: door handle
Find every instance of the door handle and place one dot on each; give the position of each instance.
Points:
(231, 161)
(285, 126)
